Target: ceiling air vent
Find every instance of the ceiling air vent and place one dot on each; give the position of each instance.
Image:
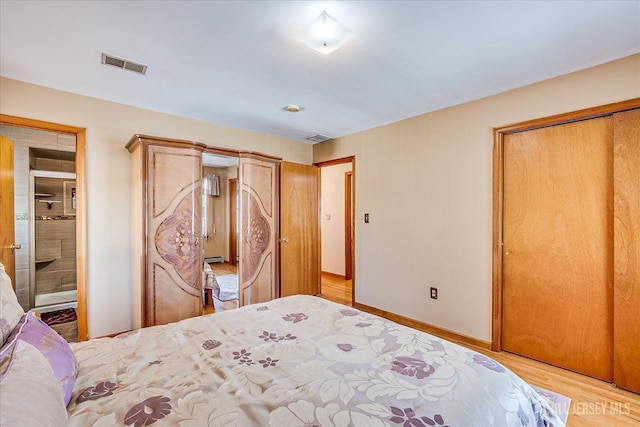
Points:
(123, 63)
(319, 138)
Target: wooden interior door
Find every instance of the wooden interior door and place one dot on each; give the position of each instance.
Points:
(7, 214)
(557, 228)
(259, 204)
(626, 250)
(348, 225)
(299, 229)
(233, 219)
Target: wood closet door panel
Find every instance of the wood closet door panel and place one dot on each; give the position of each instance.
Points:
(299, 225)
(626, 250)
(258, 273)
(558, 202)
(174, 229)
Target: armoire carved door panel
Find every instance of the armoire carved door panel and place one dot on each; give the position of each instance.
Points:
(170, 269)
(258, 273)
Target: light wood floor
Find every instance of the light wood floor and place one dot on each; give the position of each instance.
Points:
(335, 289)
(219, 270)
(593, 402)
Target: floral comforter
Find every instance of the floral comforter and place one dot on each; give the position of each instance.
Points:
(295, 361)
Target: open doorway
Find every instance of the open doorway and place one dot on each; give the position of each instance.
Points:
(47, 170)
(337, 229)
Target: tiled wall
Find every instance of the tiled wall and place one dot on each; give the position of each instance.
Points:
(55, 236)
(23, 140)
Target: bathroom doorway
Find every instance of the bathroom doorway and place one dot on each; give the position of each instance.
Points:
(41, 148)
(53, 287)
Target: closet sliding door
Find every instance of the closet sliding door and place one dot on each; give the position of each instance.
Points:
(558, 200)
(567, 242)
(626, 250)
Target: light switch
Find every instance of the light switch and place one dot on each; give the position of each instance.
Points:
(366, 218)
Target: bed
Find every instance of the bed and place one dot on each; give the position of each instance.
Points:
(294, 361)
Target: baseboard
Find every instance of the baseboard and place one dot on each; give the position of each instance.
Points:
(337, 276)
(425, 327)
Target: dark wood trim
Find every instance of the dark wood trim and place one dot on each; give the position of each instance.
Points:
(353, 230)
(348, 224)
(496, 295)
(574, 116)
(276, 228)
(424, 327)
(337, 276)
(81, 206)
(498, 187)
(350, 159)
(81, 235)
(39, 124)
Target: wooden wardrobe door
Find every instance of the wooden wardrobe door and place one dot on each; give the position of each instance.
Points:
(258, 272)
(174, 229)
(558, 201)
(626, 250)
(300, 229)
(166, 217)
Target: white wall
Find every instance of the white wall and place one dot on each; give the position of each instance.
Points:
(332, 218)
(109, 127)
(433, 226)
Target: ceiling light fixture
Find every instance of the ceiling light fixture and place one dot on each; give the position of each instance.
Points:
(291, 108)
(325, 34)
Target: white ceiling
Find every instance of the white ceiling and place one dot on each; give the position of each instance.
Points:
(236, 63)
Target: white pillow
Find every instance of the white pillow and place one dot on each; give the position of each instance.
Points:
(10, 310)
(30, 393)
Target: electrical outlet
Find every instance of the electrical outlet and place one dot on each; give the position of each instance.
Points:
(434, 293)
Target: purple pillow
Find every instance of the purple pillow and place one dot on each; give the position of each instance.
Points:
(53, 347)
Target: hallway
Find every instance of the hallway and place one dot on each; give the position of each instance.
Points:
(336, 289)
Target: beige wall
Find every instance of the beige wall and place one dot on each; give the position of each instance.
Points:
(427, 184)
(109, 126)
(218, 242)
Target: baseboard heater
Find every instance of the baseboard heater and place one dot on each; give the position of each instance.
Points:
(214, 259)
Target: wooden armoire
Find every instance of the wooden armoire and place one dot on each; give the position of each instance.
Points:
(567, 241)
(167, 228)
